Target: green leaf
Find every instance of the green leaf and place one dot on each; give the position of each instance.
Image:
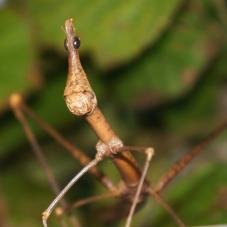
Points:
(16, 55)
(113, 31)
(172, 67)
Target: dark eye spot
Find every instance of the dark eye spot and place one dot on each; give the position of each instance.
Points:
(65, 44)
(76, 42)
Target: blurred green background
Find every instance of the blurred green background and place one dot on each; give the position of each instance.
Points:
(160, 74)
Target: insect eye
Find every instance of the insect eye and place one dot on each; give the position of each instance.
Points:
(65, 44)
(76, 43)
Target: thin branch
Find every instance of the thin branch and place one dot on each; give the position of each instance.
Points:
(187, 158)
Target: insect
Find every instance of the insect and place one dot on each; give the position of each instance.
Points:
(81, 101)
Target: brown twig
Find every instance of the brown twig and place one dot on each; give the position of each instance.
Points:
(187, 158)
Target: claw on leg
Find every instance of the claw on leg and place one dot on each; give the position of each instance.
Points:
(51, 207)
(45, 216)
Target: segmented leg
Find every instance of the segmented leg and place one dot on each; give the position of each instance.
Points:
(167, 207)
(16, 102)
(114, 149)
(92, 199)
(75, 152)
(185, 160)
(149, 153)
(155, 195)
(99, 157)
(53, 204)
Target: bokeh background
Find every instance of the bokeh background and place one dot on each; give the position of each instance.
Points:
(160, 74)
